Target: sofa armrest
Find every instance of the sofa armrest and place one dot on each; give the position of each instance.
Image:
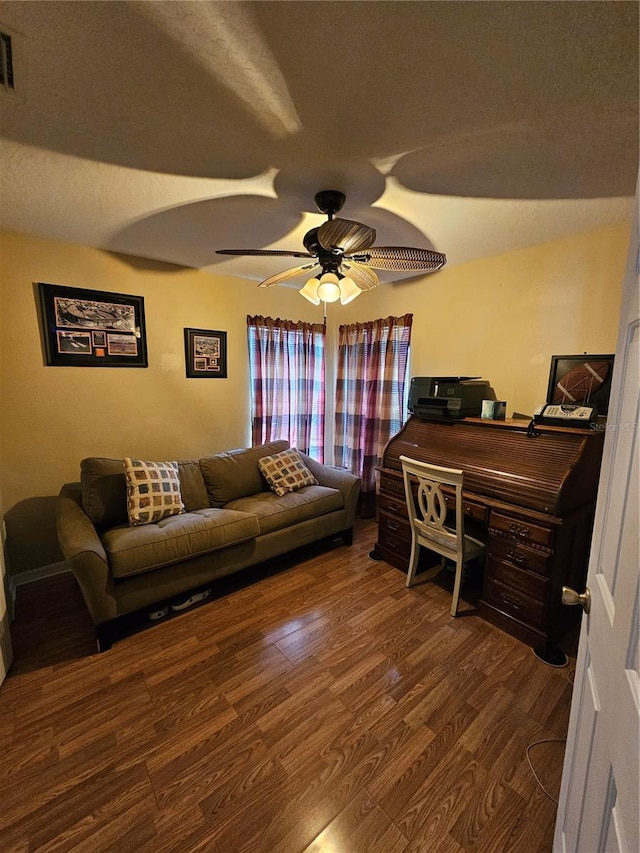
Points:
(83, 550)
(336, 478)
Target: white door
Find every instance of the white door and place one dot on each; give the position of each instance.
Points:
(600, 792)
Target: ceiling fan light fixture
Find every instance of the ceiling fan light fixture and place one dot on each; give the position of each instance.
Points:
(349, 290)
(310, 291)
(329, 288)
(343, 244)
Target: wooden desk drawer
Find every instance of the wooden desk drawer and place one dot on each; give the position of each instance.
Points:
(392, 485)
(393, 505)
(395, 544)
(514, 603)
(519, 555)
(530, 584)
(394, 534)
(471, 509)
(521, 530)
(394, 525)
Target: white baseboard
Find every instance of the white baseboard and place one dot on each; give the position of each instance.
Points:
(29, 576)
(38, 574)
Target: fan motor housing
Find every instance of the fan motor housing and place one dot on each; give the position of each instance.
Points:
(310, 241)
(329, 261)
(329, 201)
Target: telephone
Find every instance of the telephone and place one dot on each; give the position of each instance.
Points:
(557, 414)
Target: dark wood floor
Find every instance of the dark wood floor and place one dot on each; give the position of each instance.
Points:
(323, 707)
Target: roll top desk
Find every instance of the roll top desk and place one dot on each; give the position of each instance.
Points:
(534, 495)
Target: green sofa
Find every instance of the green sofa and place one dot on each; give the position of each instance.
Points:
(232, 520)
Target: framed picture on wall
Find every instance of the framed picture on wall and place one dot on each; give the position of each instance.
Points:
(205, 354)
(581, 380)
(92, 328)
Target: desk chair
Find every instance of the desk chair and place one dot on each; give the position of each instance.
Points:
(427, 514)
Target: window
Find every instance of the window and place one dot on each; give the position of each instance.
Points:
(370, 396)
(286, 365)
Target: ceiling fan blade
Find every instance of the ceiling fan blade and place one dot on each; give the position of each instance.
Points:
(274, 253)
(350, 237)
(286, 274)
(401, 258)
(364, 277)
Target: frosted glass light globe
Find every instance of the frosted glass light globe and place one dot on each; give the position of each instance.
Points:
(310, 291)
(329, 290)
(349, 290)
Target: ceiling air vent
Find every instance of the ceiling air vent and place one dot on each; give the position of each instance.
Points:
(6, 62)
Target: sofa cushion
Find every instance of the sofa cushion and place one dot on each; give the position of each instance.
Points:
(286, 472)
(133, 550)
(194, 491)
(153, 491)
(235, 474)
(274, 513)
(104, 490)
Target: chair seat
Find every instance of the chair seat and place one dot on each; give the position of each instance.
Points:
(472, 547)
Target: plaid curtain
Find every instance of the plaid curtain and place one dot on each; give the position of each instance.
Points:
(372, 362)
(286, 366)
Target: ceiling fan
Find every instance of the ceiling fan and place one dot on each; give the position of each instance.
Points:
(344, 253)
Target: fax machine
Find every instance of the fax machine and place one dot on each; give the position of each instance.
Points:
(446, 397)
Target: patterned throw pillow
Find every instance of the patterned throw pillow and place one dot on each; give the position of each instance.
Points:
(286, 472)
(153, 491)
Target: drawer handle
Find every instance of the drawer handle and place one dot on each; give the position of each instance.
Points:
(394, 507)
(391, 525)
(519, 530)
(516, 557)
(393, 543)
(511, 601)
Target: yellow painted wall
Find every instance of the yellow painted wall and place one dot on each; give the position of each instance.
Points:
(501, 318)
(54, 416)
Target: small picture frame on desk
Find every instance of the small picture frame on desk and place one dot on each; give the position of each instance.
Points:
(578, 380)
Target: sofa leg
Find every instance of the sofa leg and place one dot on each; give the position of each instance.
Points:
(347, 536)
(104, 637)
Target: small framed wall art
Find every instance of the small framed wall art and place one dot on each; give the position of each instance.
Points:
(92, 328)
(205, 354)
(581, 380)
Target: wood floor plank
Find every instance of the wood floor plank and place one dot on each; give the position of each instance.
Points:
(447, 791)
(56, 811)
(183, 743)
(98, 831)
(178, 785)
(175, 832)
(28, 755)
(492, 727)
(305, 686)
(239, 813)
(361, 827)
(314, 704)
(394, 786)
(487, 824)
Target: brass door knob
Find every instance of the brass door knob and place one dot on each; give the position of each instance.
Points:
(570, 596)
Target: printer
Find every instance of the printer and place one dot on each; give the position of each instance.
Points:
(447, 397)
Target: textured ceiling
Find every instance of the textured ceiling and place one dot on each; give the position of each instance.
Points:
(168, 130)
